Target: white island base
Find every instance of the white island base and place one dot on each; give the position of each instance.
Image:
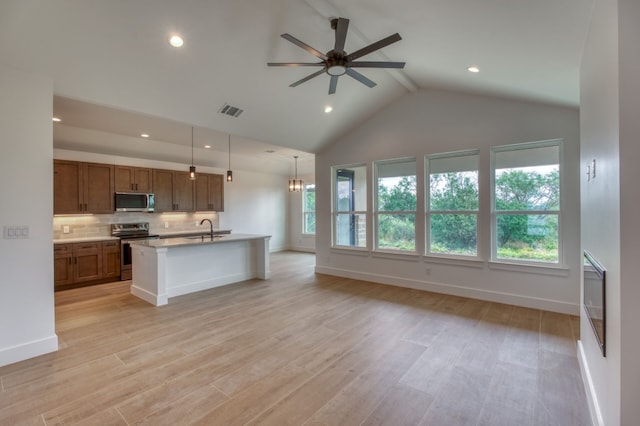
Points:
(167, 268)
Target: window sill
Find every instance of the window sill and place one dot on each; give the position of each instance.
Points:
(543, 269)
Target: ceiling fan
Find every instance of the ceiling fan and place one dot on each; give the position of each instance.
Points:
(337, 62)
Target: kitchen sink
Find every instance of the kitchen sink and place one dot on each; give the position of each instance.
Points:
(205, 237)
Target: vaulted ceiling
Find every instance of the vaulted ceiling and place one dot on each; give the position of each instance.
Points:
(112, 58)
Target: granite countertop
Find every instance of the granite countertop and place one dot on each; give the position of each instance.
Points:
(172, 235)
(83, 239)
(198, 239)
(177, 234)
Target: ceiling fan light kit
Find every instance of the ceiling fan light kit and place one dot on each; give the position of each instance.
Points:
(337, 62)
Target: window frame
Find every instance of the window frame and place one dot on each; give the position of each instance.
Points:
(377, 212)
(305, 211)
(335, 213)
(558, 213)
(427, 205)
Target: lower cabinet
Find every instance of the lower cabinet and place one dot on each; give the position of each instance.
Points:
(111, 259)
(62, 264)
(86, 263)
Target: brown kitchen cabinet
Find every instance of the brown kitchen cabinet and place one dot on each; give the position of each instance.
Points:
(87, 261)
(82, 187)
(92, 262)
(111, 259)
(174, 191)
(62, 264)
(209, 192)
(133, 179)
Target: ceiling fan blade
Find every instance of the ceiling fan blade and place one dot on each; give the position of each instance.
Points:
(374, 46)
(307, 78)
(361, 78)
(333, 84)
(375, 64)
(341, 34)
(295, 64)
(304, 45)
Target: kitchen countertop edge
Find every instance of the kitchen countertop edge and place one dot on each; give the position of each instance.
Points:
(186, 241)
(83, 240)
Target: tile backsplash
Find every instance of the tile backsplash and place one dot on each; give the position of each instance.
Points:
(88, 226)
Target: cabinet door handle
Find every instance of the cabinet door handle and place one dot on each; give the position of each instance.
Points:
(136, 186)
(80, 207)
(85, 207)
(132, 188)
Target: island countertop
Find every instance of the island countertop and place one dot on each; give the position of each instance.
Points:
(198, 240)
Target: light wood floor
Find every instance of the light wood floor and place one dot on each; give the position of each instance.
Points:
(298, 349)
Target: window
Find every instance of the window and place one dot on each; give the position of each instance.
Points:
(452, 206)
(350, 206)
(526, 202)
(309, 209)
(396, 205)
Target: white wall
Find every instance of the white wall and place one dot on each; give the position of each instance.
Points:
(254, 203)
(434, 121)
(611, 205)
(27, 326)
(629, 20)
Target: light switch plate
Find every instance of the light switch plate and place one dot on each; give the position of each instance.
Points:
(14, 232)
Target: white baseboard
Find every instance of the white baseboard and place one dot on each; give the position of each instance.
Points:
(592, 397)
(474, 293)
(303, 249)
(28, 350)
(147, 296)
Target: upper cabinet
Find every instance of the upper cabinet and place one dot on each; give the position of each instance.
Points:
(174, 191)
(82, 187)
(209, 192)
(133, 179)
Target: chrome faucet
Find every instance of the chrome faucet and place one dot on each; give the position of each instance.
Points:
(210, 224)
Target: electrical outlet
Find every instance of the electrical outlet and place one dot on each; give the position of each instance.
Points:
(427, 271)
(65, 229)
(166, 225)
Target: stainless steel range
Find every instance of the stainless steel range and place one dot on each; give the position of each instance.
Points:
(128, 232)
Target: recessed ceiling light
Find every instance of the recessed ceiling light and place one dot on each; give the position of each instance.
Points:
(269, 151)
(328, 109)
(473, 69)
(176, 41)
(56, 119)
(144, 135)
(207, 146)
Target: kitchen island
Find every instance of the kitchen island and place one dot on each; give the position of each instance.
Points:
(176, 266)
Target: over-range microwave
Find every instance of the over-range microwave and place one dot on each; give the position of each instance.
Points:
(134, 202)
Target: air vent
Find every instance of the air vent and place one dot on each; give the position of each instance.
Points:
(230, 110)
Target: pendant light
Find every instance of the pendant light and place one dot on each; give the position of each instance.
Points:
(192, 169)
(229, 172)
(295, 184)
